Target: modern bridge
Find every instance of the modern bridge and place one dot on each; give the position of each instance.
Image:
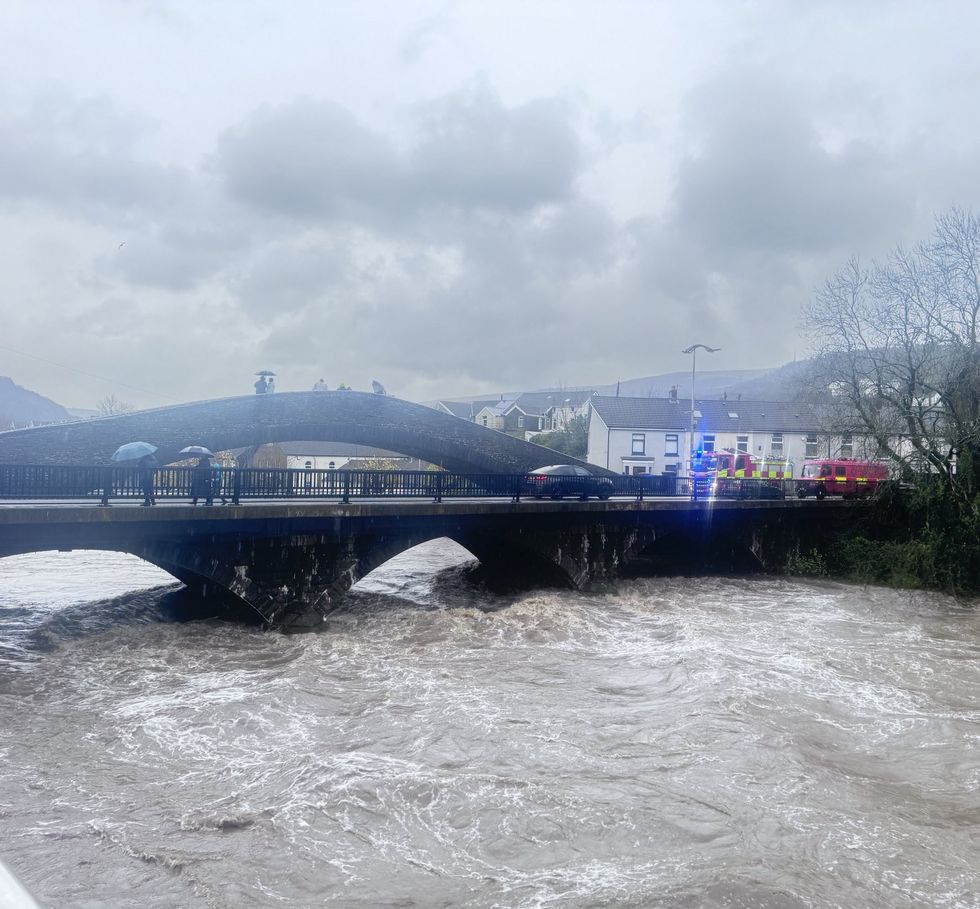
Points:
(290, 543)
(380, 421)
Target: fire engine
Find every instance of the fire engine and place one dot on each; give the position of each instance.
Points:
(840, 477)
(739, 465)
(707, 468)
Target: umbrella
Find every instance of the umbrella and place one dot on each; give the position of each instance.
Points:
(265, 372)
(198, 450)
(132, 451)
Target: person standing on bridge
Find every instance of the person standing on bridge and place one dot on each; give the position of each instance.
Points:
(201, 482)
(261, 386)
(147, 471)
(271, 387)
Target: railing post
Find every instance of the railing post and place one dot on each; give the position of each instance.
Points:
(346, 497)
(639, 482)
(236, 486)
(106, 487)
(438, 485)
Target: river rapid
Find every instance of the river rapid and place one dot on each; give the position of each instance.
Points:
(682, 742)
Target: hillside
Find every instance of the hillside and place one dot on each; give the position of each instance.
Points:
(784, 383)
(21, 407)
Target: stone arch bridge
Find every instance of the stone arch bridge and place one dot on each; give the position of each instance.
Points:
(334, 416)
(287, 565)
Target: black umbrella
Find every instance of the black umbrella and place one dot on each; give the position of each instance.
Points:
(265, 372)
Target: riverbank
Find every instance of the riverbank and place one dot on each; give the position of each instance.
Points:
(918, 538)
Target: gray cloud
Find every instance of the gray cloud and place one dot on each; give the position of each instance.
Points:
(760, 178)
(315, 160)
(310, 159)
(78, 156)
(475, 153)
(481, 206)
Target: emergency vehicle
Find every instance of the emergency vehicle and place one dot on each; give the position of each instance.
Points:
(840, 477)
(707, 468)
(737, 465)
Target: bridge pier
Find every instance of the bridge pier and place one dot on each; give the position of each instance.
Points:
(293, 581)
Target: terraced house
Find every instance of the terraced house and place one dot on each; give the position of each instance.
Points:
(653, 435)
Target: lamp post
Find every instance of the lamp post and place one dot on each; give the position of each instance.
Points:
(693, 350)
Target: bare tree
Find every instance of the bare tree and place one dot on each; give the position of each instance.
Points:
(898, 350)
(110, 405)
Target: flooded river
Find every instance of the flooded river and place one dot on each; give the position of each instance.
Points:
(690, 742)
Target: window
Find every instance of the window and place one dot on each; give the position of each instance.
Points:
(520, 422)
(708, 443)
(742, 444)
(639, 443)
(670, 444)
(777, 445)
(840, 470)
(811, 445)
(332, 465)
(847, 445)
(308, 465)
(638, 470)
(484, 421)
(670, 468)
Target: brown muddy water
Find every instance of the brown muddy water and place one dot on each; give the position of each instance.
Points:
(689, 742)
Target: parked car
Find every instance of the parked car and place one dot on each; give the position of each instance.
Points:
(559, 480)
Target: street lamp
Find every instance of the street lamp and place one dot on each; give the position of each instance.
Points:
(693, 350)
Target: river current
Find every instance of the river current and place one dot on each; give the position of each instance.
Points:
(681, 742)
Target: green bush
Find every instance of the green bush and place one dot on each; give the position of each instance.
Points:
(921, 538)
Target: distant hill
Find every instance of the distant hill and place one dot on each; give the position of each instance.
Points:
(21, 407)
(784, 383)
(710, 383)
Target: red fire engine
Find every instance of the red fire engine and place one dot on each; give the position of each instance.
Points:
(739, 465)
(707, 468)
(840, 477)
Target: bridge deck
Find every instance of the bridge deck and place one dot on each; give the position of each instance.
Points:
(48, 512)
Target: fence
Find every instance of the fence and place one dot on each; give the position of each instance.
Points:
(32, 481)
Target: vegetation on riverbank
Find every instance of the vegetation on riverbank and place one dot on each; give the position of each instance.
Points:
(921, 537)
(898, 346)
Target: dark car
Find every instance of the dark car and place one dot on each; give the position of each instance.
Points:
(560, 480)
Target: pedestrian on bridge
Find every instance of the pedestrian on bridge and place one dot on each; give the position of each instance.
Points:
(201, 486)
(147, 471)
(261, 386)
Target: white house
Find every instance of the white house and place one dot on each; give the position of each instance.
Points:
(523, 415)
(653, 435)
(336, 455)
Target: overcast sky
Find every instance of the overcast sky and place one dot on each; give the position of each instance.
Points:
(454, 197)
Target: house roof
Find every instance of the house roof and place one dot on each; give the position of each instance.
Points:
(465, 410)
(717, 416)
(541, 401)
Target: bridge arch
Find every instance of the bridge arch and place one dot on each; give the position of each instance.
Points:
(241, 422)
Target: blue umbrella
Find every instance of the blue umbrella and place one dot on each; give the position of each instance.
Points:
(133, 451)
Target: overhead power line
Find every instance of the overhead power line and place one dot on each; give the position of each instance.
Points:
(80, 372)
